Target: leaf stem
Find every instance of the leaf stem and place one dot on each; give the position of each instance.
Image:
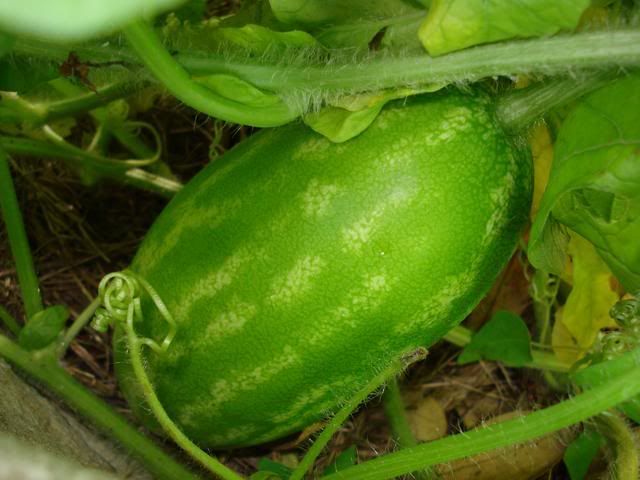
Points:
(622, 442)
(79, 323)
(18, 109)
(520, 108)
(394, 408)
(391, 371)
(461, 336)
(18, 240)
(535, 425)
(10, 322)
(557, 55)
(159, 61)
(90, 101)
(78, 158)
(159, 463)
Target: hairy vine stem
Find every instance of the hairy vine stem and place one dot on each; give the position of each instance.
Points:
(344, 74)
(80, 158)
(617, 389)
(120, 294)
(549, 56)
(378, 381)
(159, 61)
(625, 464)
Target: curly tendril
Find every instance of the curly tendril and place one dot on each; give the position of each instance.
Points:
(626, 313)
(120, 294)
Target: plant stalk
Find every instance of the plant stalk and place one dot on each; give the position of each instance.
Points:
(18, 240)
(537, 424)
(78, 158)
(391, 371)
(11, 323)
(170, 428)
(557, 55)
(520, 108)
(622, 442)
(144, 40)
(80, 322)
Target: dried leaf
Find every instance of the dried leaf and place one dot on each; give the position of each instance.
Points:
(427, 419)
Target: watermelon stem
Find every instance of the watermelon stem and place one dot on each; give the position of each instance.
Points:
(78, 159)
(617, 389)
(161, 63)
(625, 464)
(377, 382)
(519, 109)
(18, 240)
(395, 410)
(306, 81)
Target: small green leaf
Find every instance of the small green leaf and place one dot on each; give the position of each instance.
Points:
(346, 459)
(594, 186)
(316, 13)
(43, 328)
(581, 452)
(504, 338)
(238, 90)
(456, 24)
(259, 39)
(350, 116)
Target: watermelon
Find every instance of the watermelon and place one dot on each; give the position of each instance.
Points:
(297, 268)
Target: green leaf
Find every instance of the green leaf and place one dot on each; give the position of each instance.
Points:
(594, 188)
(456, 24)
(315, 13)
(339, 24)
(346, 459)
(259, 39)
(43, 328)
(68, 20)
(504, 338)
(270, 470)
(581, 452)
(351, 115)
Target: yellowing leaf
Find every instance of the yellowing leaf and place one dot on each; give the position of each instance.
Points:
(564, 345)
(586, 310)
(542, 152)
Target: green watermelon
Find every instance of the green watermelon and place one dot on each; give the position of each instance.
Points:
(297, 268)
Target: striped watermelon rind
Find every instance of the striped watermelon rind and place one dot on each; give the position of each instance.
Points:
(297, 268)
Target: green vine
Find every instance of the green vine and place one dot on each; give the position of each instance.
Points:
(18, 240)
(120, 294)
(159, 61)
(617, 389)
